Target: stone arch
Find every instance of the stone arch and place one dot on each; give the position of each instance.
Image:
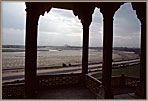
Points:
(34, 10)
(126, 28)
(141, 14)
(62, 35)
(81, 11)
(96, 38)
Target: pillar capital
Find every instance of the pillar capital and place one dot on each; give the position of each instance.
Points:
(86, 23)
(140, 8)
(108, 9)
(37, 8)
(32, 7)
(84, 13)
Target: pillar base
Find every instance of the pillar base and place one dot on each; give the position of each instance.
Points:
(108, 94)
(140, 91)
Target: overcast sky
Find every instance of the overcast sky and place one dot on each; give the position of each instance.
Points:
(60, 27)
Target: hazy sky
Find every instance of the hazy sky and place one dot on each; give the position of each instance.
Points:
(60, 27)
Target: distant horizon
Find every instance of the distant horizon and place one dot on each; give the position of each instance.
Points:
(71, 46)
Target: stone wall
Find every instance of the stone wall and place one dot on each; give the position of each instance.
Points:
(94, 85)
(47, 81)
(124, 81)
(44, 81)
(16, 91)
(59, 80)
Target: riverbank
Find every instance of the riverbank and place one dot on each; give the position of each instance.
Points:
(16, 60)
(13, 63)
(15, 76)
(130, 71)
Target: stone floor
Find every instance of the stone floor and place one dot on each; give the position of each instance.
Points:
(126, 96)
(123, 90)
(74, 92)
(81, 92)
(125, 93)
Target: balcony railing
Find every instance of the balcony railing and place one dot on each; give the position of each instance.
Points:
(47, 81)
(124, 81)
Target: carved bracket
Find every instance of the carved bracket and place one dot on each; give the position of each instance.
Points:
(109, 9)
(140, 8)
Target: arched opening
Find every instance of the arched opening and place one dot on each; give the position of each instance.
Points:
(126, 42)
(59, 43)
(96, 44)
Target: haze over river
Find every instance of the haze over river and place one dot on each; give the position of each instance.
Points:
(14, 58)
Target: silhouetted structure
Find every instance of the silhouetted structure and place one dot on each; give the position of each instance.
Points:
(84, 12)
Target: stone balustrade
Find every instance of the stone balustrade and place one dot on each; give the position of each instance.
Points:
(46, 81)
(57, 80)
(13, 91)
(93, 84)
(124, 81)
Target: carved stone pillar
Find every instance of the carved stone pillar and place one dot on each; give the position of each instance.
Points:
(108, 10)
(31, 52)
(141, 14)
(143, 61)
(107, 56)
(84, 12)
(85, 47)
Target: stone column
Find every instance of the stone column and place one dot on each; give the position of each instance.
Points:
(143, 58)
(140, 8)
(142, 84)
(84, 12)
(85, 47)
(107, 55)
(108, 10)
(31, 53)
